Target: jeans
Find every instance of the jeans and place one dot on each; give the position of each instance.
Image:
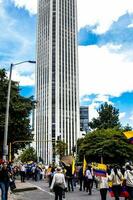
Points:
(103, 193)
(80, 183)
(117, 190)
(89, 186)
(22, 174)
(6, 190)
(130, 191)
(70, 184)
(2, 187)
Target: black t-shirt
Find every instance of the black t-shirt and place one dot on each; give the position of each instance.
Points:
(4, 175)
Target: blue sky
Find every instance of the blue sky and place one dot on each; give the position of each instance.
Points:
(105, 43)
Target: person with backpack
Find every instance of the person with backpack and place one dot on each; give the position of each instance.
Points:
(58, 183)
(117, 178)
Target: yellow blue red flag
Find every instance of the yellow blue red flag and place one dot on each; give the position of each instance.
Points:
(129, 136)
(99, 169)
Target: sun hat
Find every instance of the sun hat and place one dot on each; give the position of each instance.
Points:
(59, 169)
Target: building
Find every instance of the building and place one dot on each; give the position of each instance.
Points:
(57, 112)
(84, 119)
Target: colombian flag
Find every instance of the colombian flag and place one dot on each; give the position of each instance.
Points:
(84, 165)
(129, 136)
(99, 169)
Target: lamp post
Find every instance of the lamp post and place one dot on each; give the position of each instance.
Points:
(5, 146)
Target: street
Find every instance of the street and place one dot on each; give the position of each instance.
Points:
(42, 193)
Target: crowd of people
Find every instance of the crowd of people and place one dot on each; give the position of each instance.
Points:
(61, 179)
(9, 172)
(117, 180)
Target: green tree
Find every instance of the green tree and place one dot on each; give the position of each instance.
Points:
(28, 154)
(108, 117)
(111, 144)
(60, 148)
(19, 111)
(127, 128)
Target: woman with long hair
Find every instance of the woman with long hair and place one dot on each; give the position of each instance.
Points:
(116, 177)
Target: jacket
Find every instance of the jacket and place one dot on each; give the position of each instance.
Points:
(128, 176)
(116, 178)
(58, 179)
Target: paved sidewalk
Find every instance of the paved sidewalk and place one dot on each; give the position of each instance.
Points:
(20, 187)
(26, 186)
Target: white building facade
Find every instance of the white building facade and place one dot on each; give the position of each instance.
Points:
(57, 111)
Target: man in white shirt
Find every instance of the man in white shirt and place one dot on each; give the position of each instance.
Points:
(89, 179)
(22, 173)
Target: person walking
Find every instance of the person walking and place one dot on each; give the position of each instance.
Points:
(103, 185)
(69, 178)
(80, 177)
(89, 179)
(58, 183)
(5, 177)
(22, 173)
(49, 175)
(128, 177)
(116, 177)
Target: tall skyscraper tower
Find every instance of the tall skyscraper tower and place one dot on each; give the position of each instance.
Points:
(57, 111)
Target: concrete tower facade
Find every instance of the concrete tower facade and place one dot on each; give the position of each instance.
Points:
(57, 111)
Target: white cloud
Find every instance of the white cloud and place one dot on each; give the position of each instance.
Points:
(130, 26)
(30, 5)
(122, 115)
(86, 99)
(24, 74)
(103, 12)
(131, 117)
(93, 110)
(24, 80)
(102, 98)
(113, 47)
(102, 72)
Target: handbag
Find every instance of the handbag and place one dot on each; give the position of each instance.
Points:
(61, 185)
(12, 184)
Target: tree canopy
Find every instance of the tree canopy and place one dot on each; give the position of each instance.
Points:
(28, 154)
(111, 144)
(108, 117)
(19, 111)
(60, 148)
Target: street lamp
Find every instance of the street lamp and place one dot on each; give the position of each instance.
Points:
(5, 146)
